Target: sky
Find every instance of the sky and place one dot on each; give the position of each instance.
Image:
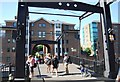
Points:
(8, 10)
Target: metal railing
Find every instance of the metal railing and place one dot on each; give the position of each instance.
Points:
(94, 66)
(7, 72)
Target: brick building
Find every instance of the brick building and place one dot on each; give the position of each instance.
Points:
(92, 38)
(41, 29)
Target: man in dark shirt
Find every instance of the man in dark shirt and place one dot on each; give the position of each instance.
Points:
(55, 63)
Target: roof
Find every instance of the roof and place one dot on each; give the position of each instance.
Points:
(8, 28)
(53, 21)
(11, 20)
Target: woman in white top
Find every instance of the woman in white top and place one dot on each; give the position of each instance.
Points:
(47, 60)
(30, 61)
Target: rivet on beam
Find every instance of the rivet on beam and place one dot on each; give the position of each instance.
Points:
(68, 4)
(75, 5)
(18, 23)
(22, 5)
(60, 3)
(22, 23)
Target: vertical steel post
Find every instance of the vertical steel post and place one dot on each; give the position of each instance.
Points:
(109, 55)
(59, 49)
(21, 41)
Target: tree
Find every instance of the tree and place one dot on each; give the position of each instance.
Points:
(81, 49)
(39, 47)
(88, 51)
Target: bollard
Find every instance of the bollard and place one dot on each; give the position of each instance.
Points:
(27, 79)
(66, 69)
(11, 78)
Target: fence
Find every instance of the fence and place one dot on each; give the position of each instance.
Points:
(95, 67)
(6, 71)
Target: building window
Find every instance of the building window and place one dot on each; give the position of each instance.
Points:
(43, 34)
(8, 40)
(50, 25)
(14, 24)
(66, 41)
(115, 26)
(32, 24)
(13, 49)
(57, 25)
(2, 33)
(51, 33)
(94, 24)
(58, 33)
(8, 49)
(32, 32)
(39, 34)
(67, 50)
(56, 50)
(8, 59)
(42, 25)
(66, 27)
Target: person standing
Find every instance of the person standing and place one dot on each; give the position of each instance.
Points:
(55, 63)
(47, 61)
(30, 61)
(65, 61)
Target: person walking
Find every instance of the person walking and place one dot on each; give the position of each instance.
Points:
(31, 61)
(55, 63)
(47, 61)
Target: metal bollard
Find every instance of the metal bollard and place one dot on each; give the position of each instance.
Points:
(11, 78)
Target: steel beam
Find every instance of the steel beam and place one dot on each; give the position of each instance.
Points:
(44, 42)
(109, 54)
(58, 49)
(20, 41)
(77, 6)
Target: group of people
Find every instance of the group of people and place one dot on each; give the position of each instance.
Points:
(51, 62)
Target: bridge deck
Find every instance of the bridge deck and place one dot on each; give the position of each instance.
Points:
(74, 74)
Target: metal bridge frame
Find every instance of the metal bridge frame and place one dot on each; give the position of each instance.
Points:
(103, 9)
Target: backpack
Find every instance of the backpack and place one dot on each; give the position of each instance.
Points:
(35, 64)
(67, 60)
(55, 62)
(47, 61)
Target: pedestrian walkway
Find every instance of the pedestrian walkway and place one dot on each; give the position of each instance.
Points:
(74, 74)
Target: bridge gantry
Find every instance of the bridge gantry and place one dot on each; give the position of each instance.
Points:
(103, 9)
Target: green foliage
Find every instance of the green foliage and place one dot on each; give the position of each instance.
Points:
(39, 47)
(88, 51)
(81, 48)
